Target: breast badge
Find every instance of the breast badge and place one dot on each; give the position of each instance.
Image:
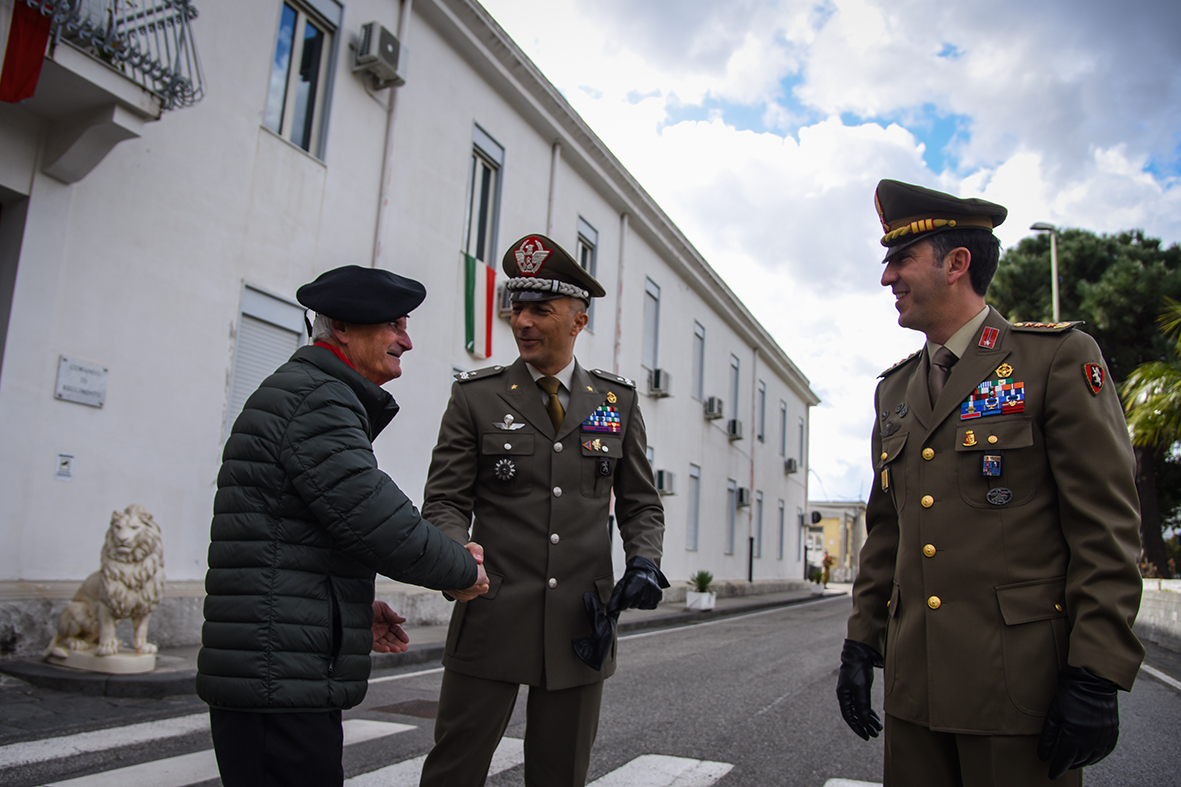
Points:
(992, 465)
(508, 425)
(505, 469)
(999, 496)
(595, 445)
(969, 438)
(1004, 370)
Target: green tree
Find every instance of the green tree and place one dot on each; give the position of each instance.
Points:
(1118, 284)
(1152, 397)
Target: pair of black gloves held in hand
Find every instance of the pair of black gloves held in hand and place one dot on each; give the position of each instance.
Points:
(1081, 726)
(639, 588)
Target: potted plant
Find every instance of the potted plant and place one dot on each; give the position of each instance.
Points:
(817, 577)
(699, 596)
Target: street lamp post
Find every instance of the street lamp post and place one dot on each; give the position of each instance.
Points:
(1042, 226)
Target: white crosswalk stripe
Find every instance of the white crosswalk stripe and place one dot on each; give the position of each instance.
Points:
(202, 766)
(649, 770)
(654, 770)
(850, 783)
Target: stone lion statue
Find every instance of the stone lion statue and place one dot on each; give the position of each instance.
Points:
(130, 584)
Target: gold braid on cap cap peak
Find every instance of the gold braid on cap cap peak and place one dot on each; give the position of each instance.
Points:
(922, 225)
(547, 285)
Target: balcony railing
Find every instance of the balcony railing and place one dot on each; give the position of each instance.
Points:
(149, 41)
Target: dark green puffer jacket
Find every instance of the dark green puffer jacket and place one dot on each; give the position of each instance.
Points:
(301, 521)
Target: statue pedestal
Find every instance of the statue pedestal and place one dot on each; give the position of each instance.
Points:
(125, 662)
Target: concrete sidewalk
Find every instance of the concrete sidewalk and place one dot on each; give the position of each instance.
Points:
(176, 668)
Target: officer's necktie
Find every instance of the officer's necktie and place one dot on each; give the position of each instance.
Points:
(940, 369)
(554, 406)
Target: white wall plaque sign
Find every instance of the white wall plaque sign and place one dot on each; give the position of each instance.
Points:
(81, 381)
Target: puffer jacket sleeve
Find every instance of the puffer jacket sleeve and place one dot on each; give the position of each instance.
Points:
(329, 457)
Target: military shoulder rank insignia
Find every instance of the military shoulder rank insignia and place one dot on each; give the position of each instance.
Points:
(615, 378)
(488, 371)
(988, 337)
(994, 397)
(605, 419)
(1045, 327)
(901, 363)
(1094, 374)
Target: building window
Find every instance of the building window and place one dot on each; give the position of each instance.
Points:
(693, 525)
(762, 405)
(782, 527)
(698, 392)
(800, 534)
(803, 443)
(588, 244)
(734, 367)
(483, 197)
(651, 324)
(731, 514)
(651, 453)
(270, 329)
(297, 96)
(783, 428)
(758, 524)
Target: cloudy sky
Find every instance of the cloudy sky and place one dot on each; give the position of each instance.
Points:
(762, 126)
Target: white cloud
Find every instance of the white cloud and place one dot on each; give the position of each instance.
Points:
(1066, 110)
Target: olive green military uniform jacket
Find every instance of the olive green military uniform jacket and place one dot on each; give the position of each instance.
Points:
(1001, 547)
(541, 506)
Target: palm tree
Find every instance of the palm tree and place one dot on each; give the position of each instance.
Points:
(1152, 401)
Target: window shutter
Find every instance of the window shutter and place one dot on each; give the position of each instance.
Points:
(262, 348)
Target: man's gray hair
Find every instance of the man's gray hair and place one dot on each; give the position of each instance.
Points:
(321, 328)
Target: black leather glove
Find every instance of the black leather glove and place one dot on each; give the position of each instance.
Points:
(593, 649)
(853, 685)
(639, 588)
(1082, 725)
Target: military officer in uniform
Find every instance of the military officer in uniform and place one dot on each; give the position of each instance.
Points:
(528, 458)
(999, 572)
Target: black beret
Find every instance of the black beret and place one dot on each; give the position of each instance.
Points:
(361, 296)
(541, 270)
(912, 213)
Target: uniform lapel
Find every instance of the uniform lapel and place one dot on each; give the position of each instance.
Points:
(978, 364)
(917, 398)
(584, 398)
(522, 394)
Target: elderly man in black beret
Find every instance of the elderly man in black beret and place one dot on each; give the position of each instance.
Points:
(302, 521)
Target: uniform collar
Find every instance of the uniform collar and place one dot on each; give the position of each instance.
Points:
(565, 376)
(958, 343)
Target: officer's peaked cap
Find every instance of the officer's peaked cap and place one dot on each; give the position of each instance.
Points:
(912, 213)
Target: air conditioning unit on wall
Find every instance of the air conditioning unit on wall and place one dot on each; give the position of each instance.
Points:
(734, 429)
(659, 382)
(381, 54)
(743, 497)
(713, 408)
(665, 482)
(791, 465)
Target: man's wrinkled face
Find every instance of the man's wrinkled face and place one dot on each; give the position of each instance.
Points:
(545, 332)
(376, 350)
(919, 284)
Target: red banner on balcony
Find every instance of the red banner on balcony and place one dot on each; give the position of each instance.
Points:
(27, 36)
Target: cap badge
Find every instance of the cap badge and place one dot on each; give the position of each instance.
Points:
(530, 256)
(1094, 374)
(508, 424)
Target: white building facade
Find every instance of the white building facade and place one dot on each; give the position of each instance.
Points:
(150, 252)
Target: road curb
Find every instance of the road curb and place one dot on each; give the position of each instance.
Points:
(172, 682)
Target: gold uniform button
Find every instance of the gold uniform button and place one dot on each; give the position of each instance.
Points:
(885, 456)
(1058, 607)
(928, 454)
(933, 602)
(929, 550)
(992, 439)
(928, 501)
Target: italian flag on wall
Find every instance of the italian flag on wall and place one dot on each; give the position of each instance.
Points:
(479, 305)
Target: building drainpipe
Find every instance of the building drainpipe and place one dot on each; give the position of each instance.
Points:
(387, 153)
(619, 292)
(754, 414)
(555, 159)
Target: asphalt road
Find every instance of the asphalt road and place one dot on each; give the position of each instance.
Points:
(740, 701)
